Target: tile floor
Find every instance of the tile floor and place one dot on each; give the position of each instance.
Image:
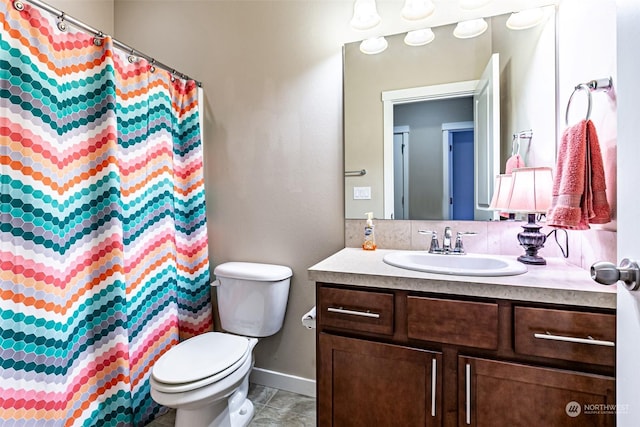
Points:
(274, 408)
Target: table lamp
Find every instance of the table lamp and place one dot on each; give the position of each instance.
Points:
(526, 190)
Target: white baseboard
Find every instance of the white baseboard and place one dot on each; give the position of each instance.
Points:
(282, 381)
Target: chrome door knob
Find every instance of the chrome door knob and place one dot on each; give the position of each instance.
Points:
(606, 273)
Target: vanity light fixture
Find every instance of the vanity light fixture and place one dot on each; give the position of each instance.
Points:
(470, 29)
(415, 10)
(525, 19)
(419, 37)
(374, 45)
(365, 15)
(473, 4)
(529, 193)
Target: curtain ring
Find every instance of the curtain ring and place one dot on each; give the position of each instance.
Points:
(152, 67)
(62, 26)
(97, 39)
(132, 57)
(18, 5)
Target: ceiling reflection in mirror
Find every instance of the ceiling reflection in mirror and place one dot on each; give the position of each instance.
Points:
(527, 93)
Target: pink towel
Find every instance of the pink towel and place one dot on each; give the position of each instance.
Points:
(513, 162)
(579, 196)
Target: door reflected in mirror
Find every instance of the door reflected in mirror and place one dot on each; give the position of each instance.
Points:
(449, 121)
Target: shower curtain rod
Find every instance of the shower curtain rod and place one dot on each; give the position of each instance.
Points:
(18, 4)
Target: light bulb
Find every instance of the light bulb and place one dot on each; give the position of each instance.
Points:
(415, 10)
(365, 15)
(470, 29)
(373, 46)
(525, 19)
(419, 37)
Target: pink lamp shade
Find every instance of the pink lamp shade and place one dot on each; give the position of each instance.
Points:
(501, 192)
(531, 190)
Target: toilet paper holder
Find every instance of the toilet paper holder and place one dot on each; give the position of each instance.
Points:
(309, 319)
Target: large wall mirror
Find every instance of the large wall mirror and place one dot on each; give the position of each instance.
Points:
(405, 107)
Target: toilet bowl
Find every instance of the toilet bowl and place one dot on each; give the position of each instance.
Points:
(195, 397)
(206, 378)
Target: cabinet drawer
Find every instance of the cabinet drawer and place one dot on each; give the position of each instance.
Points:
(564, 334)
(363, 311)
(473, 324)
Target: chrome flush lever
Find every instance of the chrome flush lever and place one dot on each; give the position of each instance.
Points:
(607, 273)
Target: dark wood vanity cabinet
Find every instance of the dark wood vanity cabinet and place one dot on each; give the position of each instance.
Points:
(401, 358)
(367, 383)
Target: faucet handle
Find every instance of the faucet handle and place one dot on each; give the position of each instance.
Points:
(434, 247)
(459, 247)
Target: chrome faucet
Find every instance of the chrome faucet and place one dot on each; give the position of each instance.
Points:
(434, 246)
(446, 240)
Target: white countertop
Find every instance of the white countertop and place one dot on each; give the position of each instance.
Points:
(557, 282)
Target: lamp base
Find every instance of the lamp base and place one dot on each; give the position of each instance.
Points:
(532, 240)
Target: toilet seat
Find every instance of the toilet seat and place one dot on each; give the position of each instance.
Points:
(199, 361)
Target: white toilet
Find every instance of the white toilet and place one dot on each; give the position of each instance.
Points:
(206, 378)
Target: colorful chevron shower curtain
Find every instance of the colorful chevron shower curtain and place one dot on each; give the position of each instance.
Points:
(103, 244)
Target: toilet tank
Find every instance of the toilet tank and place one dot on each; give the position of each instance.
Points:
(252, 297)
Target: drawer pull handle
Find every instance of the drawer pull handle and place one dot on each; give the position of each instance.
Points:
(588, 340)
(433, 387)
(353, 312)
(468, 393)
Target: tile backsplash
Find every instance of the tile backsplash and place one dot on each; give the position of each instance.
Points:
(494, 237)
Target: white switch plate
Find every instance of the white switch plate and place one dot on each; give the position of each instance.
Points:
(361, 193)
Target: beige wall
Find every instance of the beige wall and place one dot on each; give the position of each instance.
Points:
(95, 13)
(272, 78)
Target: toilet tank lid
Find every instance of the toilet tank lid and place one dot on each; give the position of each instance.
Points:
(253, 271)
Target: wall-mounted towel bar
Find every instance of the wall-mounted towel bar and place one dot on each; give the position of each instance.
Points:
(517, 137)
(603, 85)
(355, 173)
(524, 134)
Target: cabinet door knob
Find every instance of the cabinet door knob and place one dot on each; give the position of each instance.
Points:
(606, 273)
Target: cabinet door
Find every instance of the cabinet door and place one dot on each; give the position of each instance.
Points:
(495, 394)
(365, 383)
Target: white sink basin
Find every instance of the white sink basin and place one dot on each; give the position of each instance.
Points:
(465, 265)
